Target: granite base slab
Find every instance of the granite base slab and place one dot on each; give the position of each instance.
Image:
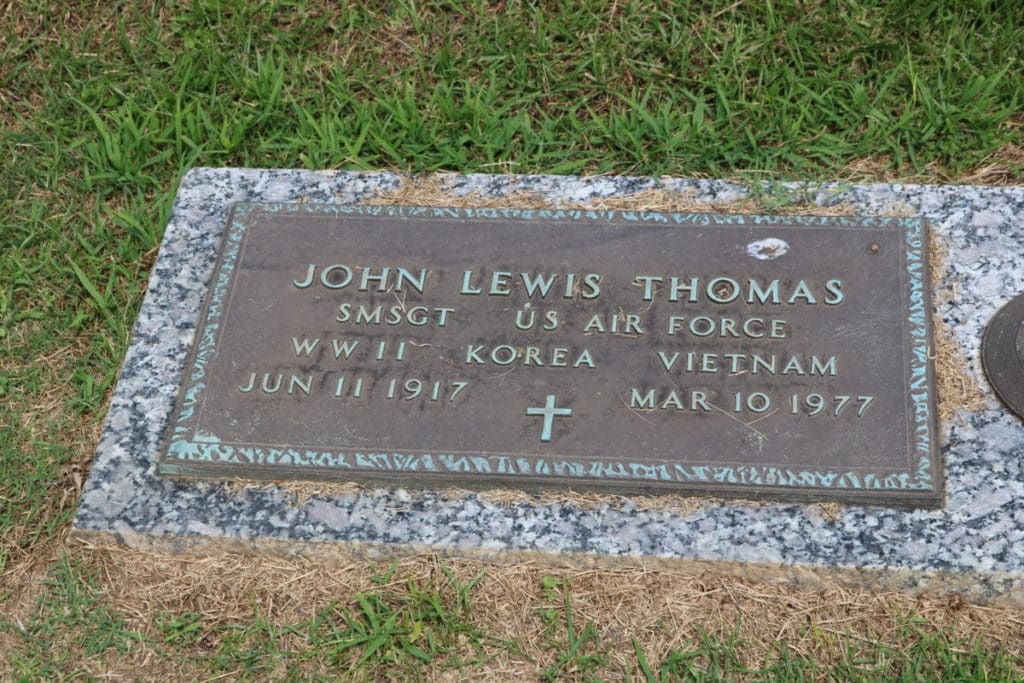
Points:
(972, 546)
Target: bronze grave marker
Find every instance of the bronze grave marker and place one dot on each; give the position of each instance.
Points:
(753, 356)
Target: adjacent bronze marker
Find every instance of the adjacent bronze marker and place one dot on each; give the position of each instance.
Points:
(1002, 354)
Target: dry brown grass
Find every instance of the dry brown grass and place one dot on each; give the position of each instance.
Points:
(1005, 166)
(663, 610)
(957, 388)
(437, 191)
(79, 435)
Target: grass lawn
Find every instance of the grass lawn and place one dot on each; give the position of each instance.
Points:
(103, 106)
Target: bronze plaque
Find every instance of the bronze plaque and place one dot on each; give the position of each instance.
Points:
(754, 356)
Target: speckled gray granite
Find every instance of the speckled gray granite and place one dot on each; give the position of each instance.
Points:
(973, 546)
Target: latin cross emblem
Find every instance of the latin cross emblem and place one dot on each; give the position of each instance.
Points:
(548, 412)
